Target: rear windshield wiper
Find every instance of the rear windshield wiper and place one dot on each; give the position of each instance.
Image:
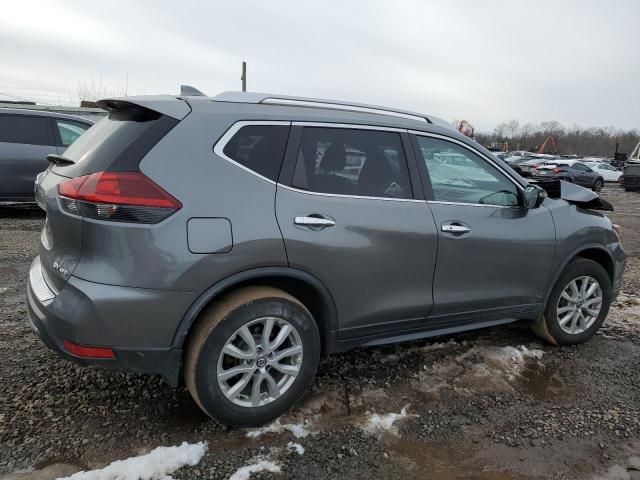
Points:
(59, 159)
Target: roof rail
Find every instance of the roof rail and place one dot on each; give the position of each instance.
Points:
(342, 106)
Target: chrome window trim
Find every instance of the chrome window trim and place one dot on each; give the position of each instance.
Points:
(354, 126)
(339, 195)
(288, 102)
(472, 150)
(218, 147)
(464, 204)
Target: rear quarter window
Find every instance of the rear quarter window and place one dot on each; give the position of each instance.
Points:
(260, 148)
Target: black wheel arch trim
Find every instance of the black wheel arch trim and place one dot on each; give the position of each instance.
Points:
(573, 254)
(328, 327)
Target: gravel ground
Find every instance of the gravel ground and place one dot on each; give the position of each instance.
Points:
(494, 404)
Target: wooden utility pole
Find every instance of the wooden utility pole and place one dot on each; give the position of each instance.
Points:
(244, 76)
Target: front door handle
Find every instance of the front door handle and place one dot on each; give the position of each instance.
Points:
(455, 228)
(313, 221)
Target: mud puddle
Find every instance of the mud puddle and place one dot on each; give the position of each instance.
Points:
(546, 382)
(186, 416)
(440, 461)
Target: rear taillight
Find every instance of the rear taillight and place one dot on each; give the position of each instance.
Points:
(557, 170)
(117, 196)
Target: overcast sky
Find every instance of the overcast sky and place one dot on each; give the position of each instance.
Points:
(485, 61)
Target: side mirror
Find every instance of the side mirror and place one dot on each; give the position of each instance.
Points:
(533, 196)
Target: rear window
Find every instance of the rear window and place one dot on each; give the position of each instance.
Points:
(117, 143)
(25, 129)
(632, 170)
(259, 148)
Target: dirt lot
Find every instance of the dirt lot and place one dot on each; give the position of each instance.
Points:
(494, 404)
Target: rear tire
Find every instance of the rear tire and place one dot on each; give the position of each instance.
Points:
(240, 333)
(597, 186)
(574, 313)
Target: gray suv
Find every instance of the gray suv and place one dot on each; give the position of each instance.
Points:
(26, 138)
(230, 242)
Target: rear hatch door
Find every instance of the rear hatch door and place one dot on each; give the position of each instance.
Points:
(116, 143)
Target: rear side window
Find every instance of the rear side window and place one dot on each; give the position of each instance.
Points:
(118, 142)
(354, 162)
(70, 131)
(259, 148)
(581, 167)
(25, 129)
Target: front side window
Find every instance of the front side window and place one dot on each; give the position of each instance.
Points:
(581, 167)
(25, 129)
(70, 131)
(459, 175)
(344, 161)
(259, 148)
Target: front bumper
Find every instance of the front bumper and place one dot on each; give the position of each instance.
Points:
(137, 324)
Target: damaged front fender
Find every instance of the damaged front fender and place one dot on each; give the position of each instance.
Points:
(572, 193)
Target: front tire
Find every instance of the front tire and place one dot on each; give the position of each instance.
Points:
(578, 304)
(251, 356)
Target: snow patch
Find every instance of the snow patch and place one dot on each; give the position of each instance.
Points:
(298, 430)
(158, 464)
(377, 423)
(295, 447)
(261, 465)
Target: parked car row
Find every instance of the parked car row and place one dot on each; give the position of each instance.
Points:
(26, 138)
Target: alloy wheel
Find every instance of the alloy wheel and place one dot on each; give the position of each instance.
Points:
(579, 305)
(260, 362)
(598, 186)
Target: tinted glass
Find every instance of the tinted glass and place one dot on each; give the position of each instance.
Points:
(343, 161)
(25, 129)
(70, 131)
(259, 148)
(121, 139)
(632, 170)
(581, 167)
(458, 175)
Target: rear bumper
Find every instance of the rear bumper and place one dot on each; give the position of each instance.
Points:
(137, 324)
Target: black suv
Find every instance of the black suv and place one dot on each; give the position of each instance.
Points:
(630, 178)
(26, 138)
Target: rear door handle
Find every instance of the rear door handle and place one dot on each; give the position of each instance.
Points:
(315, 221)
(455, 228)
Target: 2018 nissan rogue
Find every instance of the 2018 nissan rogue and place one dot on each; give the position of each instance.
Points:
(232, 241)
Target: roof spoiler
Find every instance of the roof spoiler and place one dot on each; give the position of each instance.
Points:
(163, 104)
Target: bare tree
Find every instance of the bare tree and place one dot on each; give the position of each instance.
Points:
(92, 91)
(575, 139)
(512, 128)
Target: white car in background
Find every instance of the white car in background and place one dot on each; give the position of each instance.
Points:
(608, 172)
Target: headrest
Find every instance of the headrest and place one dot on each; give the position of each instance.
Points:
(334, 158)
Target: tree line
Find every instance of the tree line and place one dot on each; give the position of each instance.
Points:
(594, 141)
